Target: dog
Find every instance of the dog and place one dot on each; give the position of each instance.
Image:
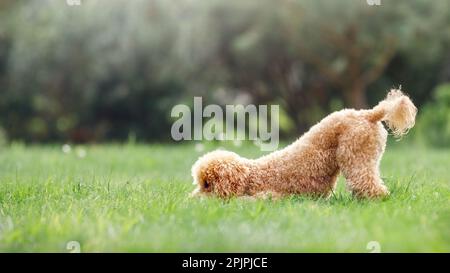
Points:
(349, 141)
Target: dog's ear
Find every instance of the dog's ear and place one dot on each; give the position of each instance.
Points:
(231, 178)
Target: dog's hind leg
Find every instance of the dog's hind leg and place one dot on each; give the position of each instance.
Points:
(359, 154)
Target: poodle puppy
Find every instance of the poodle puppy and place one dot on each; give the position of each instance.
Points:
(349, 141)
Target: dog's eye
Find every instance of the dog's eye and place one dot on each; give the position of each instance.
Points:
(206, 184)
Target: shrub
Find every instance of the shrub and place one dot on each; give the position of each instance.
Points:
(433, 125)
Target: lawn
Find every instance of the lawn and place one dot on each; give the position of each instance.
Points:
(133, 198)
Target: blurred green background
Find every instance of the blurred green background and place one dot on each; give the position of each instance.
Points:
(112, 70)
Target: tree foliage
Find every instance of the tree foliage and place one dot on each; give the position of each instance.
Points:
(107, 70)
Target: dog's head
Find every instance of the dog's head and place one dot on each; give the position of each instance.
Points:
(218, 172)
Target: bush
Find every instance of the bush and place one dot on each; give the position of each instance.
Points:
(434, 122)
(93, 73)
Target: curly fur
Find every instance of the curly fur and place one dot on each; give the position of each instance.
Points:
(350, 142)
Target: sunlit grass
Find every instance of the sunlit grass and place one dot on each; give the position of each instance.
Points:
(134, 198)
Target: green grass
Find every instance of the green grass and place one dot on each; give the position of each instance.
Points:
(122, 198)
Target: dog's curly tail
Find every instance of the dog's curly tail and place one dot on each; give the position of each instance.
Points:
(397, 110)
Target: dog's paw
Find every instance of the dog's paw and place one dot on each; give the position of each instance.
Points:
(195, 193)
(374, 193)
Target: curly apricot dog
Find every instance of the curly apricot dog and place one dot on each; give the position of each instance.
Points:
(347, 141)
